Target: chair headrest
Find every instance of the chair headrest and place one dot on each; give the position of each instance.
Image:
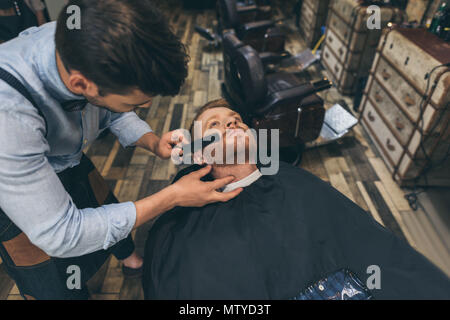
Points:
(252, 77)
(231, 43)
(228, 13)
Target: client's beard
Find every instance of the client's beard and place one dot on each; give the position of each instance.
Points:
(235, 152)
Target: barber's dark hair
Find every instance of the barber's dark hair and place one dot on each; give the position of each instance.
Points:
(122, 45)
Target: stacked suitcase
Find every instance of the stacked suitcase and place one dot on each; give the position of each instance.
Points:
(350, 45)
(411, 132)
(313, 16)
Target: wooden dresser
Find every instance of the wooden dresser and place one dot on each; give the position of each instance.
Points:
(350, 46)
(312, 17)
(422, 11)
(405, 108)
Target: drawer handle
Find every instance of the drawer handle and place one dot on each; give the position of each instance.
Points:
(370, 116)
(385, 75)
(399, 125)
(336, 68)
(334, 23)
(341, 51)
(390, 146)
(330, 39)
(378, 97)
(409, 101)
(345, 35)
(327, 55)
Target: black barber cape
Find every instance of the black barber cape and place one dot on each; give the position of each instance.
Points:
(281, 234)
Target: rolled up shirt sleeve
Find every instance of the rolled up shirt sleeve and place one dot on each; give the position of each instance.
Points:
(33, 197)
(128, 128)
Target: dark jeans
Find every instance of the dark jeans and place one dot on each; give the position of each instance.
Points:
(39, 276)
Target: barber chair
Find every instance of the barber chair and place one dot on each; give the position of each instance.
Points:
(231, 44)
(262, 35)
(274, 101)
(247, 11)
(271, 51)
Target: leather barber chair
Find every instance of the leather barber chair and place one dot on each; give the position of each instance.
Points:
(262, 35)
(274, 101)
(247, 11)
(231, 44)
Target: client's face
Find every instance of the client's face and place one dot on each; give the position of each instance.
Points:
(236, 139)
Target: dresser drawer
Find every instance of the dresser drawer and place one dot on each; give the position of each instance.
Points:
(306, 28)
(361, 61)
(347, 9)
(343, 79)
(414, 63)
(404, 94)
(335, 44)
(308, 15)
(318, 6)
(390, 147)
(398, 121)
(341, 29)
(332, 63)
(354, 40)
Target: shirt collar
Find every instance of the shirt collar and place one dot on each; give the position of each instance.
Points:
(248, 180)
(49, 75)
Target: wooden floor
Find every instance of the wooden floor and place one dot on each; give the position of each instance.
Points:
(351, 165)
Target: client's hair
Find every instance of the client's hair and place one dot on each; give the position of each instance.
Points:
(219, 103)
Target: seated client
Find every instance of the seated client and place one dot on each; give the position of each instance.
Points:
(286, 236)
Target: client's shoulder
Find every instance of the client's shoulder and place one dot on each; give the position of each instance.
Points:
(288, 170)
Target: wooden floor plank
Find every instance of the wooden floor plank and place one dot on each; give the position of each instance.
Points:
(395, 213)
(421, 239)
(313, 162)
(383, 210)
(370, 205)
(110, 159)
(356, 193)
(131, 289)
(114, 278)
(393, 190)
(6, 283)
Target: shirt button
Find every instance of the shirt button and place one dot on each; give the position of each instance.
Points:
(321, 288)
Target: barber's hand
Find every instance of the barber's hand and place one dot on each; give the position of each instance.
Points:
(192, 192)
(167, 142)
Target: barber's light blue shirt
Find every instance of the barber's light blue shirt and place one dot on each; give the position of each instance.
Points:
(31, 193)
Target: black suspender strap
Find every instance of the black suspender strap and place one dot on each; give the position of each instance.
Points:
(16, 84)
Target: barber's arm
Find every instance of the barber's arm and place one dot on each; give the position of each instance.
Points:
(189, 191)
(132, 131)
(34, 198)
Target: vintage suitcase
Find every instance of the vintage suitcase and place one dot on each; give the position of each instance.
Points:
(405, 108)
(422, 11)
(313, 16)
(350, 45)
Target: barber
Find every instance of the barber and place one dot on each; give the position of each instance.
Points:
(60, 87)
